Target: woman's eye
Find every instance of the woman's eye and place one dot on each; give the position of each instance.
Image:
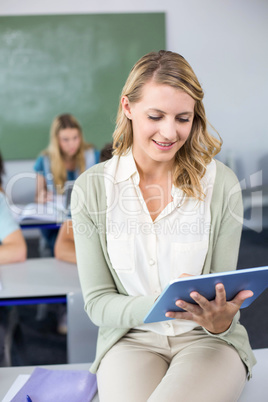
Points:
(154, 117)
(181, 120)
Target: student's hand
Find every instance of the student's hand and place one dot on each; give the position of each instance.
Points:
(49, 196)
(43, 196)
(215, 316)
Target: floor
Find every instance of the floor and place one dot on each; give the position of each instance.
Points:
(36, 340)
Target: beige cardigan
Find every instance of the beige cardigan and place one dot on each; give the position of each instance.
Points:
(106, 301)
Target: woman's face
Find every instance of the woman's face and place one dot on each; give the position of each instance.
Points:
(69, 141)
(161, 122)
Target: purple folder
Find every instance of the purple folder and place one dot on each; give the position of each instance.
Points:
(58, 385)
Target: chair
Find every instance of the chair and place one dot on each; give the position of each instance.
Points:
(82, 333)
(257, 388)
(20, 181)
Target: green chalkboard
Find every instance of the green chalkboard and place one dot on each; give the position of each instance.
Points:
(67, 64)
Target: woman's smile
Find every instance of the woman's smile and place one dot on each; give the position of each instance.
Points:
(165, 146)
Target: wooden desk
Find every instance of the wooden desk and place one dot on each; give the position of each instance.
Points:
(9, 374)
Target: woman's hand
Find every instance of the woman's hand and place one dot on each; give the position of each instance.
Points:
(215, 316)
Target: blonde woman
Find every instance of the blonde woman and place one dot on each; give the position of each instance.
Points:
(160, 209)
(66, 157)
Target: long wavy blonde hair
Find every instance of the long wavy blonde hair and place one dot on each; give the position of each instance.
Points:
(169, 68)
(54, 152)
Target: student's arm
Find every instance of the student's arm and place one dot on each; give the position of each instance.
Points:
(64, 246)
(41, 194)
(13, 248)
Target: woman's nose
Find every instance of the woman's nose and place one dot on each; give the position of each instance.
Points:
(169, 131)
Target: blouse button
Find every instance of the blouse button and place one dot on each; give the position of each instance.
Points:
(151, 262)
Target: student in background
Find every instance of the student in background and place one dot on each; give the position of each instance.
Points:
(160, 209)
(12, 244)
(66, 157)
(64, 246)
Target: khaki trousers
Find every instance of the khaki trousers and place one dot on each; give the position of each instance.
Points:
(144, 366)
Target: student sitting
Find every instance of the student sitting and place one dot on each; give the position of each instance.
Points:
(12, 244)
(66, 157)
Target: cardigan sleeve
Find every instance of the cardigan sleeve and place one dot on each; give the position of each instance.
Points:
(226, 228)
(106, 301)
(226, 222)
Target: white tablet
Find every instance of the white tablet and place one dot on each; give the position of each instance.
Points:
(255, 279)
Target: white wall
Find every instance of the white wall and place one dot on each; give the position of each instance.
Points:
(225, 41)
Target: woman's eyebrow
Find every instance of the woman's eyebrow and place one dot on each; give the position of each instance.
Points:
(183, 113)
(179, 114)
(152, 109)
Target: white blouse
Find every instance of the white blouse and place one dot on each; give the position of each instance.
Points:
(148, 254)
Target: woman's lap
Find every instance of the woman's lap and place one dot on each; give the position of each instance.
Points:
(144, 366)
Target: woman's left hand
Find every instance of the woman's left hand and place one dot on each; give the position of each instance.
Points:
(215, 316)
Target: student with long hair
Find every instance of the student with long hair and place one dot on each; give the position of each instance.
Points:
(65, 158)
(160, 209)
(12, 243)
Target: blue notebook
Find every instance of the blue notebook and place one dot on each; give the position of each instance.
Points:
(255, 279)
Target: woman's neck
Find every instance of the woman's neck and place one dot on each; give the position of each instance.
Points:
(155, 185)
(154, 172)
(69, 162)
(67, 158)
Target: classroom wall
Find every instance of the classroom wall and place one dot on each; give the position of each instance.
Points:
(225, 42)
